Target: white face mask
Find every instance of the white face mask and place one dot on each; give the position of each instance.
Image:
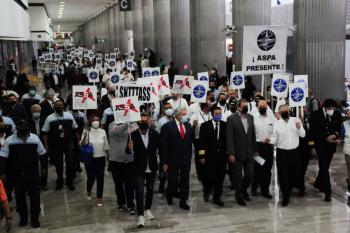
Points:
(169, 112)
(330, 112)
(95, 124)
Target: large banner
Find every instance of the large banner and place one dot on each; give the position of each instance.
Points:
(126, 110)
(182, 84)
(264, 49)
(199, 91)
(279, 86)
(84, 97)
(145, 93)
(237, 81)
(297, 95)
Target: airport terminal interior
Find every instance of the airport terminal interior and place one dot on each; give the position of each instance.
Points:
(242, 108)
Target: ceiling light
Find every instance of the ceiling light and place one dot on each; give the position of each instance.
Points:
(62, 2)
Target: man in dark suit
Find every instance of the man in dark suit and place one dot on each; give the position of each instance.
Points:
(212, 153)
(177, 153)
(324, 135)
(241, 148)
(47, 106)
(144, 143)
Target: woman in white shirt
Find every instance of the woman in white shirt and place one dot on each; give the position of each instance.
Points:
(97, 137)
(127, 76)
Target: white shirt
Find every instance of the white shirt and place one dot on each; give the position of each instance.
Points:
(180, 103)
(286, 135)
(200, 117)
(226, 115)
(178, 125)
(263, 126)
(145, 139)
(99, 141)
(193, 109)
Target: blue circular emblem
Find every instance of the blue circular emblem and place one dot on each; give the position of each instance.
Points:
(203, 78)
(146, 74)
(132, 53)
(297, 94)
(130, 64)
(115, 78)
(111, 63)
(93, 75)
(237, 80)
(280, 85)
(155, 73)
(266, 40)
(199, 91)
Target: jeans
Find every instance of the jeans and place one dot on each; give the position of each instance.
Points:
(140, 187)
(95, 171)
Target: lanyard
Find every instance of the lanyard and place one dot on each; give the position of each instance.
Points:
(203, 117)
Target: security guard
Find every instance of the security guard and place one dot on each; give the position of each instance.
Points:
(21, 153)
(58, 130)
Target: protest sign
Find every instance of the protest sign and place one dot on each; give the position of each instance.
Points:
(126, 110)
(93, 76)
(144, 93)
(297, 95)
(279, 86)
(303, 79)
(199, 91)
(182, 84)
(237, 80)
(203, 76)
(84, 97)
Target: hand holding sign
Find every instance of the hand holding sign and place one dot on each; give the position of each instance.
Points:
(126, 109)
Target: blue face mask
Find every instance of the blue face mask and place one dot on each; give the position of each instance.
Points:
(185, 119)
(217, 118)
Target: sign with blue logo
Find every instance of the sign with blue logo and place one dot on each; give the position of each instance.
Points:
(147, 72)
(93, 76)
(132, 54)
(279, 86)
(112, 64)
(203, 76)
(115, 77)
(237, 80)
(155, 71)
(303, 79)
(297, 95)
(199, 91)
(113, 56)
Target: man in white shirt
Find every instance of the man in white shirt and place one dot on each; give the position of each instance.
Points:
(177, 101)
(285, 136)
(263, 122)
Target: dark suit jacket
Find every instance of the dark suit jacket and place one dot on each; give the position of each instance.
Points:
(17, 113)
(239, 143)
(176, 152)
(141, 154)
(46, 110)
(208, 146)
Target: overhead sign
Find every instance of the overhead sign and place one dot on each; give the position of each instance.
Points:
(297, 95)
(182, 84)
(303, 79)
(203, 76)
(126, 110)
(199, 91)
(144, 93)
(125, 5)
(279, 86)
(84, 97)
(93, 76)
(237, 80)
(264, 49)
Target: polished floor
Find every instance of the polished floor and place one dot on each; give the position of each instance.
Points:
(66, 211)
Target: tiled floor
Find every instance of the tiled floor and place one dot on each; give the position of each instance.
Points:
(70, 212)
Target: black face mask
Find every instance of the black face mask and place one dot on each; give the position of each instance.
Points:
(222, 102)
(2, 130)
(262, 111)
(12, 103)
(112, 93)
(22, 131)
(59, 111)
(285, 115)
(143, 125)
(212, 99)
(245, 109)
(234, 109)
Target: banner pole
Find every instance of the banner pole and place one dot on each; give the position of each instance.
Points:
(262, 84)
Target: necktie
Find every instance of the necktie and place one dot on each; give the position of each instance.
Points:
(182, 131)
(217, 130)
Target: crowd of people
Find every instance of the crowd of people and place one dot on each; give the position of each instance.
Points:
(230, 134)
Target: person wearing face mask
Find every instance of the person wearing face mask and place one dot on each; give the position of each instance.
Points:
(212, 154)
(285, 136)
(58, 130)
(144, 144)
(16, 111)
(127, 76)
(10, 126)
(30, 98)
(232, 108)
(263, 123)
(97, 137)
(176, 141)
(21, 152)
(241, 148)
(325, 125)
(177, 101)
(221, 103)
(345, 135)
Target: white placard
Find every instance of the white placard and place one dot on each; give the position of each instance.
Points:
(113, 56)
(126, 110)
(130, 64)
(182, 84)
(303, 79)
(279, 85)
(297, 96)
(99, 62)
(153, 83)
(93, 76)
(203, 76)
(91, 56)
(264, 49)
(115, 78)
(237, 80)
(106, 56)
(132, 54)
(112, 64)
(199, 91)
(143, 92)
(147, 72)
(116, 50)
(163, 85)
(84, 97)
(155, 71)
(42, 59)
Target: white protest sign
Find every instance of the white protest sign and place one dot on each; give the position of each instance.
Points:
(113, 56)
(264, 49)
(303, 79)
(297, 96)
(153, 83)
(69, 57)
(237, 80)
(147, 72)
(98, 62)
(42, 59)
(182, 84)
(132, 54)
(93, 75)
(58, 56)
(199, 91)
(163, 85)
(155, 71)
(112, 64)
(143, 92)
(279, 85)
(115, 78)
(116, 50)
(84, 97)
(91, 55)
(106, 56)
(203, 76)
(130, 65)
(126, 110)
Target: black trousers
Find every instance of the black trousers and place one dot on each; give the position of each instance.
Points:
(140, 180)
(214, 175)
(200, 169)
(325, 157)
(242, 174)
(124, 183)
(288, 168)
(262, 174)
(27, 184)
(304, 158)
(66, 152)
(174, 182)
(44, 165)
(95, 171)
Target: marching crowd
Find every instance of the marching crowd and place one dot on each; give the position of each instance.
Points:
(233, 134)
